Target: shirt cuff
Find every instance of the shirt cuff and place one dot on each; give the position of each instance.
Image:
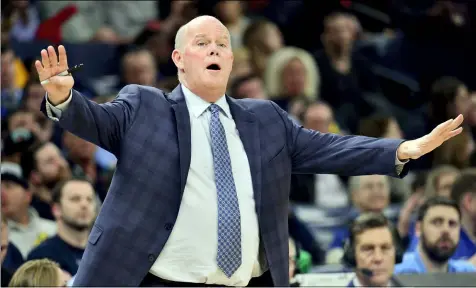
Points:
(54, 112)
(399, 164)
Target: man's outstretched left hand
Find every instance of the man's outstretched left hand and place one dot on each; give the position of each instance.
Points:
(414, 149)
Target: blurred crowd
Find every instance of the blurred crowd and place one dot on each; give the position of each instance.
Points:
(389, 68)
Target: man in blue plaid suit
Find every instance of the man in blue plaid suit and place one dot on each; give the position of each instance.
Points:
(200, 193)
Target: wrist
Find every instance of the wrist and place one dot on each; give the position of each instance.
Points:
(402, 151)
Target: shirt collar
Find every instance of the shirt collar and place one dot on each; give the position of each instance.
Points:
(196, 105)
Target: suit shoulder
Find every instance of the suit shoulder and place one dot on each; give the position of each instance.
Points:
(256, 104)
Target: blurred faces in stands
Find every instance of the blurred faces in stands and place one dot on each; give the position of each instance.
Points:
(74, 206)
(440, 181)
(293, 77)
(8, 69)
(370, 193)
(78, 149)
(45, 165)
(229, 12)
(380, 126)
(4, 240)
(340, 32)
(319, 117)
(16, 197)
(139, 67)
(439, 231)
(24, 119)
(448, 98)
(33, 96)
(375, 250)
(464, 193)
(248, 86)
(262, 38)
(204, 57)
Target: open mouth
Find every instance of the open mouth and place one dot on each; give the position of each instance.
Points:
(214, 67)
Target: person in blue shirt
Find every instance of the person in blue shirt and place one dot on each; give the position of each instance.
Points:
(438, 226)
(74, 207)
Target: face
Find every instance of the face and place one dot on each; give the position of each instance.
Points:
(140, 68)
(229, 11)
(34, 97)
(375, 250)
(294, 78)
(77, 205)
(439, 232)
(78, 148)
(339, 32)
(15, 199)
(373, 194)
(8, 69)
(393, 130)
(4, 242)
(444, 183)
(319, 118)
(272, 39)
(252, 88)
(462, 101)
(24, 120)
(51, 165)
(206, 58)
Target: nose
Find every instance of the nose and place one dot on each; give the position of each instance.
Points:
(213, 50)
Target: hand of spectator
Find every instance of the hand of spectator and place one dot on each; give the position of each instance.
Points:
(414, 149)
(58, 87)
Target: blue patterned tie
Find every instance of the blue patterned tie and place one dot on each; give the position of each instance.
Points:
(229, 230)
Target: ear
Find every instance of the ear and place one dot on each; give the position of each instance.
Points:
(418, 229)
(466, 201)
(178, 60)
(56, 210)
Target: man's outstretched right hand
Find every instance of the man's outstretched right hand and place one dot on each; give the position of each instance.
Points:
(58, 87)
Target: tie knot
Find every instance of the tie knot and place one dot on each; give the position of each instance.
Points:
(214, 108)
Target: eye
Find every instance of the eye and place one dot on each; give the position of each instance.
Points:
(201, 44)
(222, 45)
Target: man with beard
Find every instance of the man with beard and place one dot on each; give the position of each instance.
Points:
(44, 166)
(74, 207)
(438, 226)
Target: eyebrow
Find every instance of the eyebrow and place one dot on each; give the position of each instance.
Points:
(204, 36)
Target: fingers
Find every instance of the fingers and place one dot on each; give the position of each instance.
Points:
(52, 56)
(455, 123)
(39, 67)
(453, 133)
(63, 61)
(45, 59)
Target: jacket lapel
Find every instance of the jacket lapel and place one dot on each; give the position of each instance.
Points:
(248, 130)
(182, 118)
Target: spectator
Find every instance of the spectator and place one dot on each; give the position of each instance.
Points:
(26, 119)
(248, 86)
(44, 167)
(6, 274)
(464, 194)
(39, 273)
(11, 93)
(17, 142)
(369, 193)
(230, 13)
(373, 245)
(292, 79)
(33, 95)
(346, 77)
(11, 257)
(23, 20)
(383, 126)
(438, 227)
(27, 229)
(322, 190)
(241, 64)
(262, 38)
(139, 67)
(74, 206)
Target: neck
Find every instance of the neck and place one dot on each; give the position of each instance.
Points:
(73, 237)
(431, 266)
(365, 282)
(21, 218)
(209, 95)
(469, 227)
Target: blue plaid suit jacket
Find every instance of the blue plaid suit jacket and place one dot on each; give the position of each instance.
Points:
(149, 132)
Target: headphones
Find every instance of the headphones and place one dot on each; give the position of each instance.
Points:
(362, 223)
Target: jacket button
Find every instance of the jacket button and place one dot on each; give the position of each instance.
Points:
(151, 257)
(168, 226)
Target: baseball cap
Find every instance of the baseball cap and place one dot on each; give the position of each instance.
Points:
(13, 172)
